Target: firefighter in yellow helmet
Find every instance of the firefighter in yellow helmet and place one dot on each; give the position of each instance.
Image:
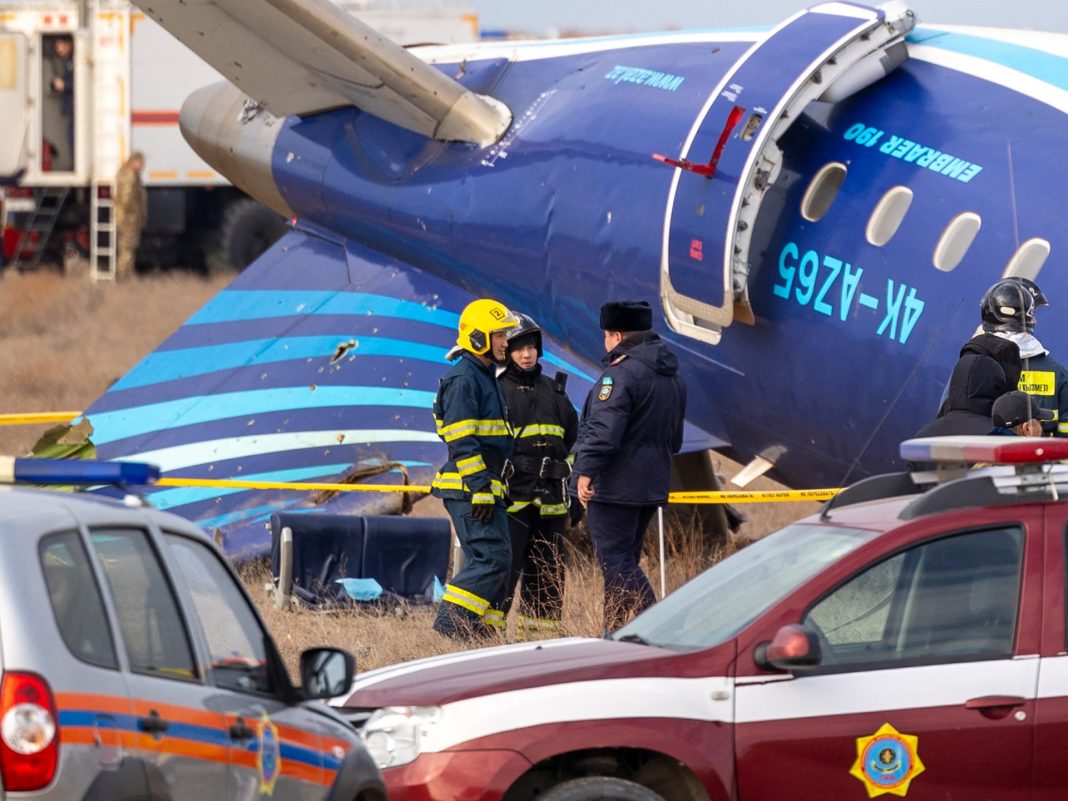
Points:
(472, 420)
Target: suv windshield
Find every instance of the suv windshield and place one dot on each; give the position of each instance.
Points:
(718, 603)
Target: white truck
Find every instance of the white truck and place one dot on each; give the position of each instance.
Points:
(61, 145)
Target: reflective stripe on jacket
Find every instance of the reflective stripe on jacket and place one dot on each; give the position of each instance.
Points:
(472, 421)
(545, 425)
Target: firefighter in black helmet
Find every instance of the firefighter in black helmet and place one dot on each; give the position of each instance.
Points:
(545, 426)
(1008, 311)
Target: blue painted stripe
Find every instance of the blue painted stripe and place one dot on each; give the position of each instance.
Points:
(288, 751)
(260, 304)
(271, 451)
(251, 518)
(255, 514)
(240, 507)
(1038, 64)
(420, 462)
(571, 368)
(183, 496)
(176, 729)
(331, 421)
(340, 326)
(111, 426)
(194, 733)
(371, 371)
(176, 364)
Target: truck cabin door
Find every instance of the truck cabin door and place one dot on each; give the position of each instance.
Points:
(60, 93)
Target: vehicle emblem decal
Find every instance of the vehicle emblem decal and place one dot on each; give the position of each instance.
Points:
(887, 761)
(269, 756)
(606, 388)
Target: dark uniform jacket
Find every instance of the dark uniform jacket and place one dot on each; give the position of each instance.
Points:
(471, 419)
(977, 381)
(1004, 351)
(545, 425)
(1045, 379)
(632, 424)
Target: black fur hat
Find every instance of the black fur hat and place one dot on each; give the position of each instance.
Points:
(626, 315)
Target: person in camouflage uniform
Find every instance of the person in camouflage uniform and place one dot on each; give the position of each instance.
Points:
(131, 213)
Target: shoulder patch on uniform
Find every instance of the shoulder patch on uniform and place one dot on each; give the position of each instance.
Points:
(606, 389)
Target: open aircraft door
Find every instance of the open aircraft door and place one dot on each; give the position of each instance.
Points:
(825, 53)
(14, 110)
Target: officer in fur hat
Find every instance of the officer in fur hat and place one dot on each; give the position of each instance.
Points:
(631, 425)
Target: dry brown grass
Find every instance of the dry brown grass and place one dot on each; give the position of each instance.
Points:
(64, 340)
(386, 636)
(383, 637)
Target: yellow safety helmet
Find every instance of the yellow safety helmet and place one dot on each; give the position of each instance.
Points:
(478, 320)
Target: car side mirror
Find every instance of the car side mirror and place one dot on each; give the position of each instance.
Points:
(326, 672)
(793, 646)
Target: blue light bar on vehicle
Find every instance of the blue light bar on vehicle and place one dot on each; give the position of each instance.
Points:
(75, 471)
(990, 449)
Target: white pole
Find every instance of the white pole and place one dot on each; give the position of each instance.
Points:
(285, 569)
(660, 524)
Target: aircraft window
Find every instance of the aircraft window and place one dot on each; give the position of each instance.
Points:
(955, 240)
(1028, 259)
(888, 214)
(822, 191)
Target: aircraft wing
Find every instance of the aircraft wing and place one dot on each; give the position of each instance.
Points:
(305, 56)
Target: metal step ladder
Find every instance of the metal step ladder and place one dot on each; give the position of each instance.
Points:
(34, 236)
(110, 27)
(102, 246)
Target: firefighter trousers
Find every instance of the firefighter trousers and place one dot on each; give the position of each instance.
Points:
(537, 564)
(481, 584)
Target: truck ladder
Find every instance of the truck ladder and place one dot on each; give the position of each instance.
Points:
(102, 236)
(111, 29)
(48, 203)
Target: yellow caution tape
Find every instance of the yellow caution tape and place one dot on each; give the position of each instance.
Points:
(222, 483)
(31, 418)
(770, 496)
(675, 497)
(699, 497)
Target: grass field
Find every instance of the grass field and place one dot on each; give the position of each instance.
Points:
(65, 340)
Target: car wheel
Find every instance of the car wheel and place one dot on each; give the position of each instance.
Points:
(600, 788)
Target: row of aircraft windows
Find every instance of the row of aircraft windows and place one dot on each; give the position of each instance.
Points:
(890, 211)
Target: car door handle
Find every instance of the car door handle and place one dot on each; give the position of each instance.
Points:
(241, 730)
(995, 706)
(153, 724)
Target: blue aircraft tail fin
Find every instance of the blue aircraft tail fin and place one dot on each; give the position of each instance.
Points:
(318, 363)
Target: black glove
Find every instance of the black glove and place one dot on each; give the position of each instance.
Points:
(575, 512)
(482, 512)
